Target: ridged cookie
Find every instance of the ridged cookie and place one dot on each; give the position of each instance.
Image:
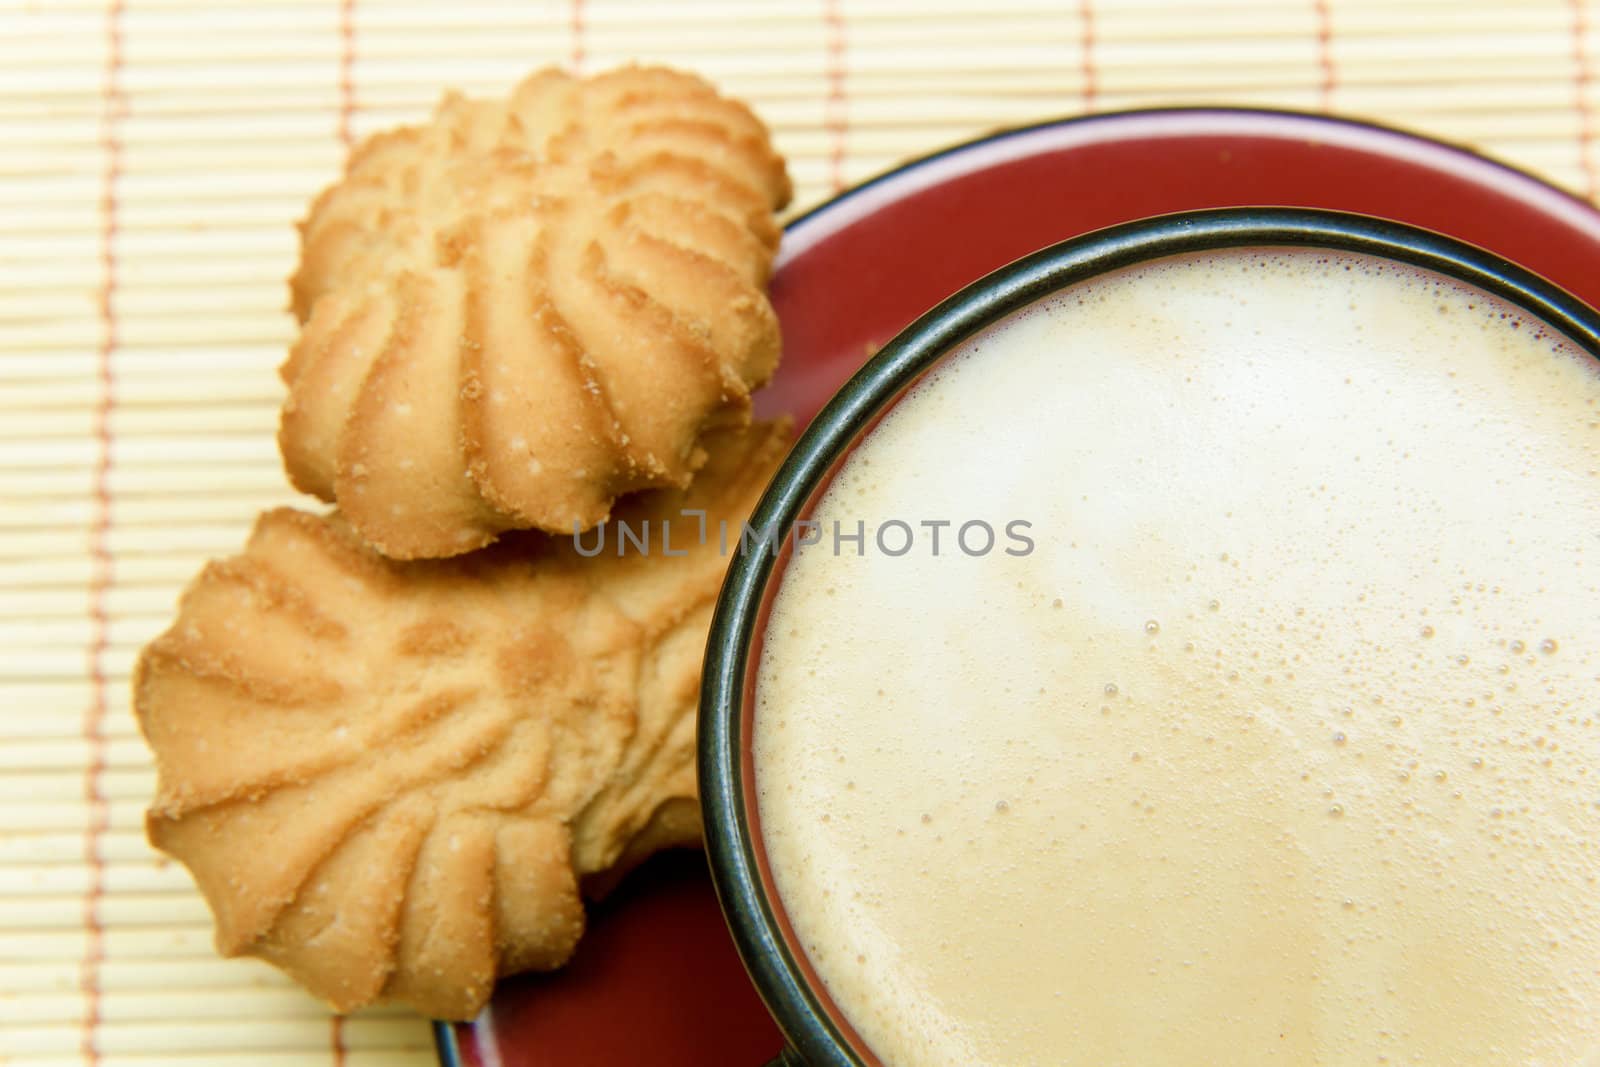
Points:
(525, 308)
(391, 778)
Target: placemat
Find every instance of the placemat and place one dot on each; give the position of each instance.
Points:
(153, 157)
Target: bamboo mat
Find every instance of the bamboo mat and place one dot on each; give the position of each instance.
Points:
(152, 157)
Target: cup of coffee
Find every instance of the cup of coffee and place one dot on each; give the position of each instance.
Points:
(1181, 646)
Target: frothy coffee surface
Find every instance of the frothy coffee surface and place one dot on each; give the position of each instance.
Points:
(1282, 746)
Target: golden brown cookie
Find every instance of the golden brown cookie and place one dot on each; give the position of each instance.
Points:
(526, 308)
(389, 778)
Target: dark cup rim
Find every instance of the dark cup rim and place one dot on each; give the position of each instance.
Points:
(802, 1012)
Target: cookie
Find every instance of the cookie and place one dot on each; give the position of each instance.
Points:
(392, 779)
(525, 308)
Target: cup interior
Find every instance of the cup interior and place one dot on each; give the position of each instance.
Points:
(789, 985)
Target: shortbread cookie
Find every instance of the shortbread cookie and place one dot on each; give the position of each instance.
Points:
(390, 778)
(516, 313)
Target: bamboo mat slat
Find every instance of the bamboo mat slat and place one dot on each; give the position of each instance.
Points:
(153, 157)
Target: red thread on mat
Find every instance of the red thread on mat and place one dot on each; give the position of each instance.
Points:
(1586, 118)
(336, 1039)
(347, 70)
(1330, 74)
(347, 111)
(836, 111)
(579, 26)
(112, 104)
(1086, 41)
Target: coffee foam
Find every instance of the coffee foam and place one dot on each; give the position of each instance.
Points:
(1282, 746)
